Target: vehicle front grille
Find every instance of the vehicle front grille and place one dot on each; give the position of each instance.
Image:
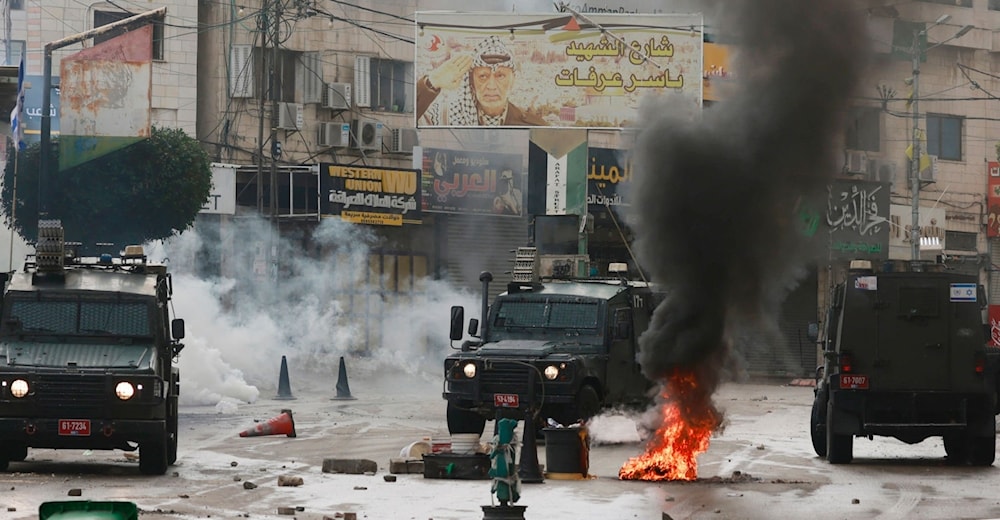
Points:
(68, 396)
(504, 377)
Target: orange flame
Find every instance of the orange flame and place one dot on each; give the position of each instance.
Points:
(689, 418)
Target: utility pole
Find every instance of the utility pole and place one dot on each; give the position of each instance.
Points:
(916, 51)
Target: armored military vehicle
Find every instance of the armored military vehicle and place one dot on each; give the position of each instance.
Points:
(87, 350)
(560, 348)
(906, 357)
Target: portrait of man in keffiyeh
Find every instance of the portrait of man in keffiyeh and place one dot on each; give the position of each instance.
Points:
(473, 90)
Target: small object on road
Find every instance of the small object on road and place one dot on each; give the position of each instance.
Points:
(234, 464)
(855, 501)
(183, 496)
(75, 492)
(286, 510)
(282, 424)
(389, 478)
(249, 485)
(360, 488)
(285, 480)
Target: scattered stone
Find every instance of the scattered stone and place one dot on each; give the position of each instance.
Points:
(360, 488)
(350, 516)
(237, 478)
(855, 501)
(75, 492)
(389, 478)
(234, 464)
(285, 480)
(249, 485)
(183, 496)
(717, 511)
(300, 508)
(760, 447)
(11, 509)
(176, 474)
(669, 499)
(350, 466)
(286, 510)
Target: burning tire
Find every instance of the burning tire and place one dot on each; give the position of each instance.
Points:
(464, 420)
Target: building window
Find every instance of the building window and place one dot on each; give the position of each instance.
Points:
(944, 137)
(102, 18)
(17, 5)
(863, 132)
(388, 84)
(16, 51)
(247, 64)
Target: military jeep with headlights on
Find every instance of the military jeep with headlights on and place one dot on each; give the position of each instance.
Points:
(87, 350)
(564, 349)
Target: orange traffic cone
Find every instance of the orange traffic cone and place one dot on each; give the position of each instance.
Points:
(282, 424)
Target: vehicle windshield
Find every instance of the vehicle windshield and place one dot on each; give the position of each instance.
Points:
(77, 317)
(547, 318)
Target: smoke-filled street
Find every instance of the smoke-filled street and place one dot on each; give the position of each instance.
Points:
(760, 465)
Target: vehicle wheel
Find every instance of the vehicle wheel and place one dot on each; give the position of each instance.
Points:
(956, 449)
(17, 452)
(817, 425)
(839, 448)
(982, 450)
(172, 439)
(153, 456)
(463, 420)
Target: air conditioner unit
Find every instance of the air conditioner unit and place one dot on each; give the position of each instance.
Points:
(929, 174)
(403, 140)
(291, 116)
(366, 134)
(337, 96)
(563, 266)
(855, 162)
(335, 134)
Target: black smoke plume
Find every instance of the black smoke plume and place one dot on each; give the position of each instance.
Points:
(717, 193)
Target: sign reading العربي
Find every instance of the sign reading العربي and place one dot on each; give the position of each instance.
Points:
(524, 70)
(370, 195)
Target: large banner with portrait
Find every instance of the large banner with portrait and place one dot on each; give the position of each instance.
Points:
(858, 220)
(524, 70)
(370, 195)
(457, 181)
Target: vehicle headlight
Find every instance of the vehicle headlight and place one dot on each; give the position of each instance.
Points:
(19, 388)
(124, 390)
(551, 372)
(469, 370)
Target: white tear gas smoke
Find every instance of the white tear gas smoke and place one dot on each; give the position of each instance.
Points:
(717, 193)
(319, 309)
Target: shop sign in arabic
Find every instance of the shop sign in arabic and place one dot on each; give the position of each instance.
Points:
(858, 219)
(384, 196)
(609, 172)
(457, 181)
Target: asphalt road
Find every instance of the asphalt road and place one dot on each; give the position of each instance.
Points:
(761, 465)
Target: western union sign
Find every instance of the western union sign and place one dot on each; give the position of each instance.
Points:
(370, 195)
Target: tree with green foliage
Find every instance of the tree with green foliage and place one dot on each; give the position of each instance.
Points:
(147, 191)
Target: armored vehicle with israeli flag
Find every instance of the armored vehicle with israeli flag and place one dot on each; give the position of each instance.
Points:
(87, 354)
(558, 347)
(905, 356)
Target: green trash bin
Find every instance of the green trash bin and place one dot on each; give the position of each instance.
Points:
(88, 510)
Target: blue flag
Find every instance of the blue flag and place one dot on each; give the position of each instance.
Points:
(16, 127)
